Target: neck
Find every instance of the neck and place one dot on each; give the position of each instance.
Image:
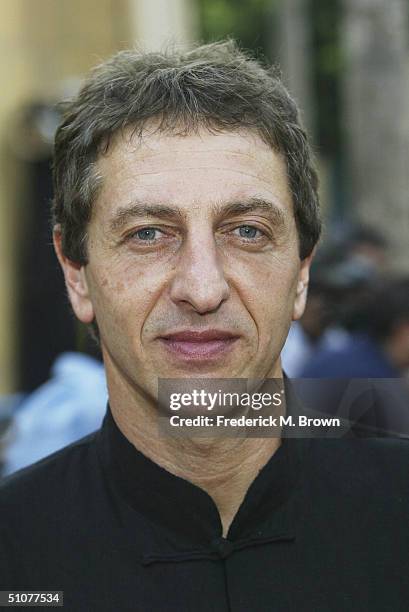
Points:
(223, 467)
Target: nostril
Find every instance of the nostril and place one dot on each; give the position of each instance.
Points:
(204, 291)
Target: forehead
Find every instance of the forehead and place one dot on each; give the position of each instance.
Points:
(193, 171)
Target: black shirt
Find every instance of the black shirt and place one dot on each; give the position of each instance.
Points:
(323, 527)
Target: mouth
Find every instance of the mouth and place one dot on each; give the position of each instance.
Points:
(199, 345)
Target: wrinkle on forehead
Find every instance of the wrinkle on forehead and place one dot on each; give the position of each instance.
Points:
(165, 167)
(158, 146)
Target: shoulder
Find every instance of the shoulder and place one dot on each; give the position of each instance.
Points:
(375, 453)
(372, 467)
(395, 448)
(45, 483)
(45, 510)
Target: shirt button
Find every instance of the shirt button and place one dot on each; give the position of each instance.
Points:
(222, 547)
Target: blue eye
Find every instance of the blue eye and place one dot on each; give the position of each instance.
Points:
(248, 231)
(147, 233)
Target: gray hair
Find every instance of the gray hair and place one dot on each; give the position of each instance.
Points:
(215, 86)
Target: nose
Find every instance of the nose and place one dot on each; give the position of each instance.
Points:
(199, 280)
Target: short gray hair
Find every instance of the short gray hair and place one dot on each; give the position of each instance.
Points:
(215, 86)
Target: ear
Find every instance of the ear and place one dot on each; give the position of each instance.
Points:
(75, 281)
(302, 286)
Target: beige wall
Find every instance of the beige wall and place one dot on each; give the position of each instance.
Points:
(154, 23)
(41, 43)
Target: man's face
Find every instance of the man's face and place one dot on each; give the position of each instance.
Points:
(191, 235)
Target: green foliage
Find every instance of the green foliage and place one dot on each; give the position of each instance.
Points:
(325, 19)
(248, 21)
(254, 24)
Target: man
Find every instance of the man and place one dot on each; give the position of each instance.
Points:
(185, 221)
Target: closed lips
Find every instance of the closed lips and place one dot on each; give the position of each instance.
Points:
(199, 336)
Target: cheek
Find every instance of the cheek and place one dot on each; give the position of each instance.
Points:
(267, 286)
(267, 291)
(123, 297)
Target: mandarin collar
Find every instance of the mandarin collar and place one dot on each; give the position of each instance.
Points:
(183, 516)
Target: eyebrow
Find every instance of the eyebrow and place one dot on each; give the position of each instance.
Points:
(139, 209)
(253, 204)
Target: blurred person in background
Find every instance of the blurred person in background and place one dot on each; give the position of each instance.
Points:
(375, 355)
(318, 328)
(186, 217)
(70, 405)
(342, 274)
(378, 346)
(361, 247)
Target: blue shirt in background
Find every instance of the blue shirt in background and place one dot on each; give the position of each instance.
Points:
(67, 407)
